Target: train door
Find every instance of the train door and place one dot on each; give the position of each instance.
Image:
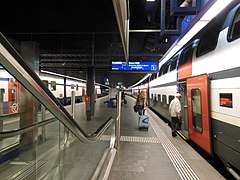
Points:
(198, 111)
(13, 97)
(184, 113)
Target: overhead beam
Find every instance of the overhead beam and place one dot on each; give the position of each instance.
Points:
(146, 30)
(122, 15)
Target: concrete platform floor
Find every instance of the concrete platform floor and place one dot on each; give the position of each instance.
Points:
(155, 154)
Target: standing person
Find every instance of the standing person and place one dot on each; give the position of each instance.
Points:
(142, 102)
(175, 112)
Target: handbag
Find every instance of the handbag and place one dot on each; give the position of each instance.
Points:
(136, 108)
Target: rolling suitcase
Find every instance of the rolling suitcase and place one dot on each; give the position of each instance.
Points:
(143, 122)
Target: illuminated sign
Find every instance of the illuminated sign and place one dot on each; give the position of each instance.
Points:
(134, 66)
(226, 100)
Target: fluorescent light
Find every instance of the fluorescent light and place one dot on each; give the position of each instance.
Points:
(150, 0)
(56, 74)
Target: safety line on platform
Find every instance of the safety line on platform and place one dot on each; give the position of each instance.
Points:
(134, 139)
(182, 167)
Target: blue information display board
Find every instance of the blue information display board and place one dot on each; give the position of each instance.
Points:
(134, 66)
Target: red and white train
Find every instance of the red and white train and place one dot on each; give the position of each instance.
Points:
(206, 71)
(10, 90)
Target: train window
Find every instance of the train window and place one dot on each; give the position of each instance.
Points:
(145, 81)
(159, 97)
(165, 68)
(196, 110)
(235, 29)
(209, 37)
(14, 93)
(170, 98)
(173, 64)
(53, 85)
(226, 100)
(155, 97)
(160, 71)
(154, 75)
(185, 55)
(45, 82)
(164, 101)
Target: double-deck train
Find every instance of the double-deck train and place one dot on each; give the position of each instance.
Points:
(206, 71)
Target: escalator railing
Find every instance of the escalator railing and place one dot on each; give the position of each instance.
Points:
(15, 64)
(40, 141)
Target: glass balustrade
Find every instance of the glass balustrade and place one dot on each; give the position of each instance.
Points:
(34, 144)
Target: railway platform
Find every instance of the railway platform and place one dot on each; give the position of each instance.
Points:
(142, 154)
(155, 154)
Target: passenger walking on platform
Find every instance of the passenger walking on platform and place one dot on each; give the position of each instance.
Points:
(142, 102)
(175, 112)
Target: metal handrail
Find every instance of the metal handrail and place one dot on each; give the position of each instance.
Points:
(96, 134)
(6, 134)
(14, 63)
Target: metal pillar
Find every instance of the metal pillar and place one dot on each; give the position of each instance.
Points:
(118, 119)
(64, 91)
(73, 95)
(90, 97)
(43, 111)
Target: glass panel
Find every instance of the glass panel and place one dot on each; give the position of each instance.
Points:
(165, 68)
(80, 160)
(235, 30)
(186, 53)
(196, 109)
(34, 154)
(46, 151)
(155, 100)
(164, 101)
(173, 64)
(159, 100)
(170, 98)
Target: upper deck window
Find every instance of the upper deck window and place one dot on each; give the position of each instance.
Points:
(235, 28)
(186, 53)
(165, 68)
(173, 64)
(209, 36)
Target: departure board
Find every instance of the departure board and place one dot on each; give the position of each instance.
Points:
(134, 66)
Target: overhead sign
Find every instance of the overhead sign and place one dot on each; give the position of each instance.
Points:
(134, 66)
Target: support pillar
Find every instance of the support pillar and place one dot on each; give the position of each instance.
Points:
(64, 91)
(28, 104)
(90, 96)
